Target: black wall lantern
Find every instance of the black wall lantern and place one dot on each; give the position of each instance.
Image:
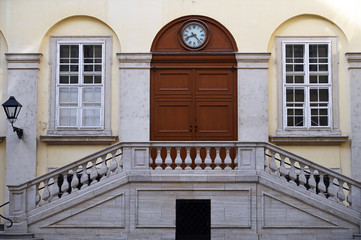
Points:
(12, 109)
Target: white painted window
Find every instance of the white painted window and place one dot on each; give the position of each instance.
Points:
(307, 84)
(80, 85)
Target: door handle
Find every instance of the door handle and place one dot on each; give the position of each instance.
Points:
(191, 128)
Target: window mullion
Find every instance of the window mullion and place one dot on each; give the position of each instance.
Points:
(80, 95)
(307, 107)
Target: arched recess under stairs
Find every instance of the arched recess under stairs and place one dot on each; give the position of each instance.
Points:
(193, 84)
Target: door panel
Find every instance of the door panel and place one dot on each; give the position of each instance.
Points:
(173, 119)
(214, 82)
(214, 120)
(171, 82)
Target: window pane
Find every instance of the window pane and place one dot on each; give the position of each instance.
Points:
(92, 96)
(323, 67)
(73, 79)
(74, 51)
(92, 58)
(323, 50)
(88, 79)
(91, 117)
(313, 95)
(313, 51)
(289, 51)
(67, 117)
(298, 51)
(68, 96)
(323, 95)
(299, 95)
(97, 79)
(64, 79)
(64, 51)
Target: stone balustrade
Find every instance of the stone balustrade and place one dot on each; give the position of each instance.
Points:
(311, 176)
(183, 157)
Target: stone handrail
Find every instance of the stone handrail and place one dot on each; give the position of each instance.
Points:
(159, 157)
(312, 177)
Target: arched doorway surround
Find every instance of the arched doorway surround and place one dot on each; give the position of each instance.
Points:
(193, 85)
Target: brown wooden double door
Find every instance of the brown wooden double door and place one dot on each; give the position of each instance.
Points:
(193, 104)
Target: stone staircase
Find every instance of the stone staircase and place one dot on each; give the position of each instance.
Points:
(128, 191)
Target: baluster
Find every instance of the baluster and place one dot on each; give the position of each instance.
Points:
(302, 176)
(37, 195)
(46, 193)
(321, 184)
(292, 173)
(53, 189)
(349, 195)
(283, 170)
(75, 180)
(103, 169)
(113, 167)
(168, 160)
(93, 172)
(178, 159)
(218, 160)
(227, 159)
(208, 160)
(84, 179)
(312, 181)
(158, 159)
(340, 193)
(273, 165)
(188, 159)
(198, 159)
(65, 186)
(332, 190)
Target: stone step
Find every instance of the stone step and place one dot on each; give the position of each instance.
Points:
(18, 236)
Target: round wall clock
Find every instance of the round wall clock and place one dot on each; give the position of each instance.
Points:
(194, 34)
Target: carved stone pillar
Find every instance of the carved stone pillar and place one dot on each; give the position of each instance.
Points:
(252, 96)
(23, 71)
(354, 60)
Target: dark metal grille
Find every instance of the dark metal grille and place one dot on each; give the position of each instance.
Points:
(193, 219)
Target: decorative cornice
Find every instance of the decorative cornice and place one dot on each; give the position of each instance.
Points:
(78, 140)
(134, 60)
(254, 60)
(23, 60)
(319, 140)
(354, 60)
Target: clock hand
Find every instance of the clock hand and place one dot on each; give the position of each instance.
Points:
(193, 35)
(197, 39)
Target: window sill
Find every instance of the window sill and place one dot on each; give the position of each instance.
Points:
(308, 140)
(78, 140)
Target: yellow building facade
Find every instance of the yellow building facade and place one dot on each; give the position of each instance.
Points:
(32, 33)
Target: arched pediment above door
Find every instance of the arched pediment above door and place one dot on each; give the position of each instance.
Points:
(169, 38)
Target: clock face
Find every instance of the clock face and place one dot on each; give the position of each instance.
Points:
(194, 34)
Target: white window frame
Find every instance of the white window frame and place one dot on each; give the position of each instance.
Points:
(104, 128)
(333, 120)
